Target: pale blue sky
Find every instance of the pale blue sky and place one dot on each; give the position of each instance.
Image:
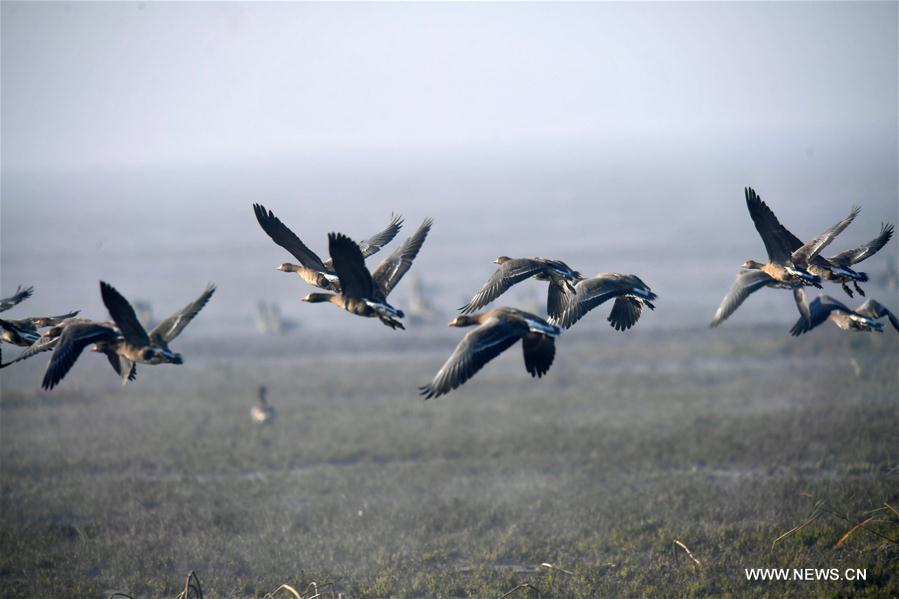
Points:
(95, 84)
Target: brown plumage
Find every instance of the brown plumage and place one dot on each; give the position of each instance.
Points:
(629, 292)
(511, 271)
(312, 269)
(497, 330)
(364, 293)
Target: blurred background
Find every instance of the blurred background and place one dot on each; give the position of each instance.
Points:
(615, 137)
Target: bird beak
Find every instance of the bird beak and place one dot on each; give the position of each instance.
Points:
(496, 261)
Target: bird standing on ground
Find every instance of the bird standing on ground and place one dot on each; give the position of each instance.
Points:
(497, 330)
(263, 412)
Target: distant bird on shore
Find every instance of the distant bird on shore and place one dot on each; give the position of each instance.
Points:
(631, 294)
(311, 268)
(497, 330)
(786, 267)
(263, 412)
(864, 318)
(561, 277)
(18, 297)
(364, 293)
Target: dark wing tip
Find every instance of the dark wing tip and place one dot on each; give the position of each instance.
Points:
(427, 391)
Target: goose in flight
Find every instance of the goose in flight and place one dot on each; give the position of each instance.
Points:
(25, 331)
(19, 296)
(836, 269)
(364, 293)
(311, 268)
(786, 267)
(152, 347)
(631, 294)
(497, 330)
(562, 279)
(865, 318)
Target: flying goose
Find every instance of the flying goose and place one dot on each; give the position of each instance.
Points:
(70, 338)
(138, 345)
(629, 291)
(837, 268)
(561, 277)
(786, 267)
(19, 296)
(311, 268)
(864, 318)
(497, 330)
(24, 331)
(364, 293)
(124, 343)
(264, 412)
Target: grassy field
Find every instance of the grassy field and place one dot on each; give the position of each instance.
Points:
(722, 440)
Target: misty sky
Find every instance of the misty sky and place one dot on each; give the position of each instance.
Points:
(88, 84)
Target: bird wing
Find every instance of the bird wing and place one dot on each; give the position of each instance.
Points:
(773, 234)
(286, 238)
(172, 326)
(349, 263)
(41, 345)
(374, 243)
(625, 312)
(471, 354)
(854, 256)
(71, 343)
(392, 269)
(19, 296)
(747, 283)
(557, 298)
(799, 298)
(876, 310)
(509, 273)
(123, 315)
(819, 310)
(802, 256)
(590, 293)
(539, 352)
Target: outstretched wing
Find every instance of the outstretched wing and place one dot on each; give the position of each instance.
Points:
(172, 326)
(374, 243)
(286, 238)
(509, 273)
(876, 310)
(810, 249)
(819, 310)
(769, 228)
(747, 283)
(123, 315)
(592, 292)
(349, 263)
(625, 312)
(539, 352)
(854, 256)
(70, 345)
(392, 269)
(41, 345)
(476, 349)
(19, 296)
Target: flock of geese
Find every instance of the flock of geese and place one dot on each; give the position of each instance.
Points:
(346, 282)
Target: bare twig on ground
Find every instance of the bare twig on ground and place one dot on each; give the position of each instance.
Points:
(689, 553)
(523, 586)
